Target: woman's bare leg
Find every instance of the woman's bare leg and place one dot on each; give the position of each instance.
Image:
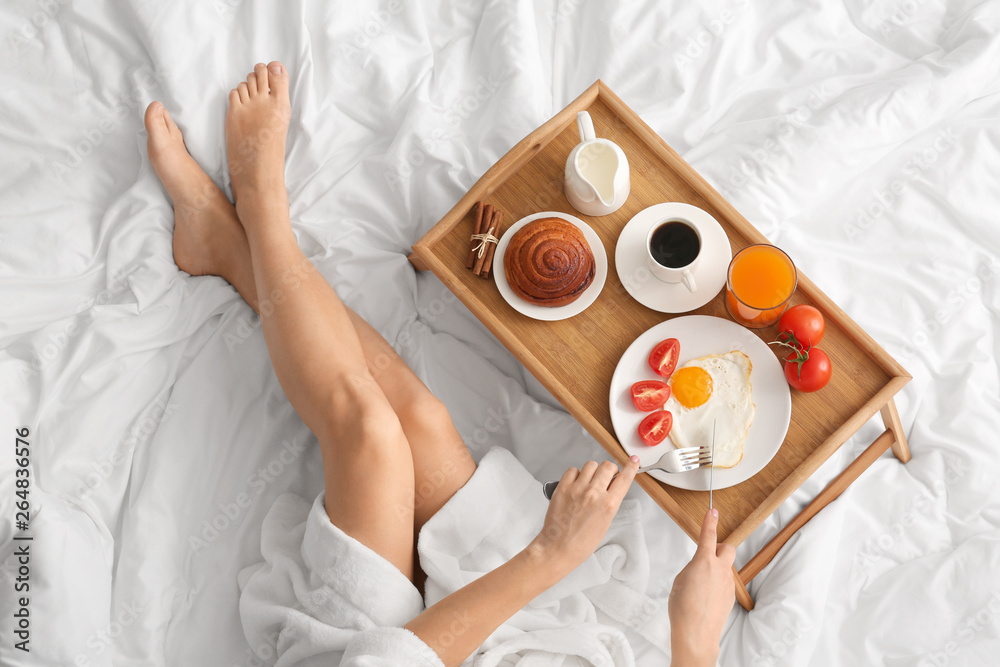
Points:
(315, 350)
(209, 240)
(442, 463)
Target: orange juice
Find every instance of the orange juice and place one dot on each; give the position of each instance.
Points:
(761, 281)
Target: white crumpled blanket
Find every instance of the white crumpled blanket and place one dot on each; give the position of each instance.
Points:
(861, 137)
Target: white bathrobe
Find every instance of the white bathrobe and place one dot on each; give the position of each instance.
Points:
(321, 596)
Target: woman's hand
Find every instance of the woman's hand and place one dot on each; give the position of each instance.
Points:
(580, 512)
(701, 599)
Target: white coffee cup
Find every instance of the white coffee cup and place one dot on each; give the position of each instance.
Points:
(675, 274)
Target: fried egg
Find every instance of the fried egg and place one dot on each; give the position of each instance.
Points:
(713, 389)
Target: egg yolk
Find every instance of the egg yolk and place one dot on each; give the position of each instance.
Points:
(692, 386)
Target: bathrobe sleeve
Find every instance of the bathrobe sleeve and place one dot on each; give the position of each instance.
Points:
(389, 647)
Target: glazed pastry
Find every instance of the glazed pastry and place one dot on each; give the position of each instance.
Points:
(549, 263)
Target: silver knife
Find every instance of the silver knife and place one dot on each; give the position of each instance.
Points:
(711, 474)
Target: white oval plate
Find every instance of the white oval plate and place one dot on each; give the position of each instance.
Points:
(559, 312)
(700, 335)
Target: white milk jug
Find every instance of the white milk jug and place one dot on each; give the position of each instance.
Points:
(597, 177)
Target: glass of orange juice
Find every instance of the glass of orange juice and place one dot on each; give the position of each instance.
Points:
(759, 285)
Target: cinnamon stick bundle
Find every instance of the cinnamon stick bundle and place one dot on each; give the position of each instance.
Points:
(488, 222)
(484, 241)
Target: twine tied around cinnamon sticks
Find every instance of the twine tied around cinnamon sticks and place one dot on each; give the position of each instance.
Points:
(484, 240)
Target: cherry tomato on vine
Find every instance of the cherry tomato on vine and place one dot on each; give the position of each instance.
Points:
(805, 323)
(808, 370)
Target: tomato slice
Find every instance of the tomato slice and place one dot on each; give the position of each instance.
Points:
(650, 394)
(655, 427)
(663, 358)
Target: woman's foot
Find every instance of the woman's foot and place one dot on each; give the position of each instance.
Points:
(208, 238)
(256, 126)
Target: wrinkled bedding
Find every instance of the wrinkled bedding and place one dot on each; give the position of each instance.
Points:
(862, 138)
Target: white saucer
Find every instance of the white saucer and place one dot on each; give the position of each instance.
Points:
(559, 312)
(710, 274)
(700, 335)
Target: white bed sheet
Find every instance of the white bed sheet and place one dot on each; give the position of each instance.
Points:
(862, 138)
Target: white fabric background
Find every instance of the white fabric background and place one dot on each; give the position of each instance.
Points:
(862, 138)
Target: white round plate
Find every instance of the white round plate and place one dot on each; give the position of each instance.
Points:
(559, 312)
(710, 274)
(700, 335)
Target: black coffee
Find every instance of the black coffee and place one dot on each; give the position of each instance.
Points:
(674, 245)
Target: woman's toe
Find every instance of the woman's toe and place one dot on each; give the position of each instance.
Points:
(277, 76)
(154, 118)
(252, 85)
(260, 76)
(244, 91)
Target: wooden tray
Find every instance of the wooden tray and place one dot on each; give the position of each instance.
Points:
(575, 358)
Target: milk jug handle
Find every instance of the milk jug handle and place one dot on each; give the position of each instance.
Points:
(585, 125)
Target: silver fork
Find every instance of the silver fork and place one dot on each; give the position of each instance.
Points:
(675, 460)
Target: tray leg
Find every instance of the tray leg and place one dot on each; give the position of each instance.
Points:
(742, 593)
(890, 417)
(825, 497)
(417, 263)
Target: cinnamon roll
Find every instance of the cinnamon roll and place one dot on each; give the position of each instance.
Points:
(549, 263)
